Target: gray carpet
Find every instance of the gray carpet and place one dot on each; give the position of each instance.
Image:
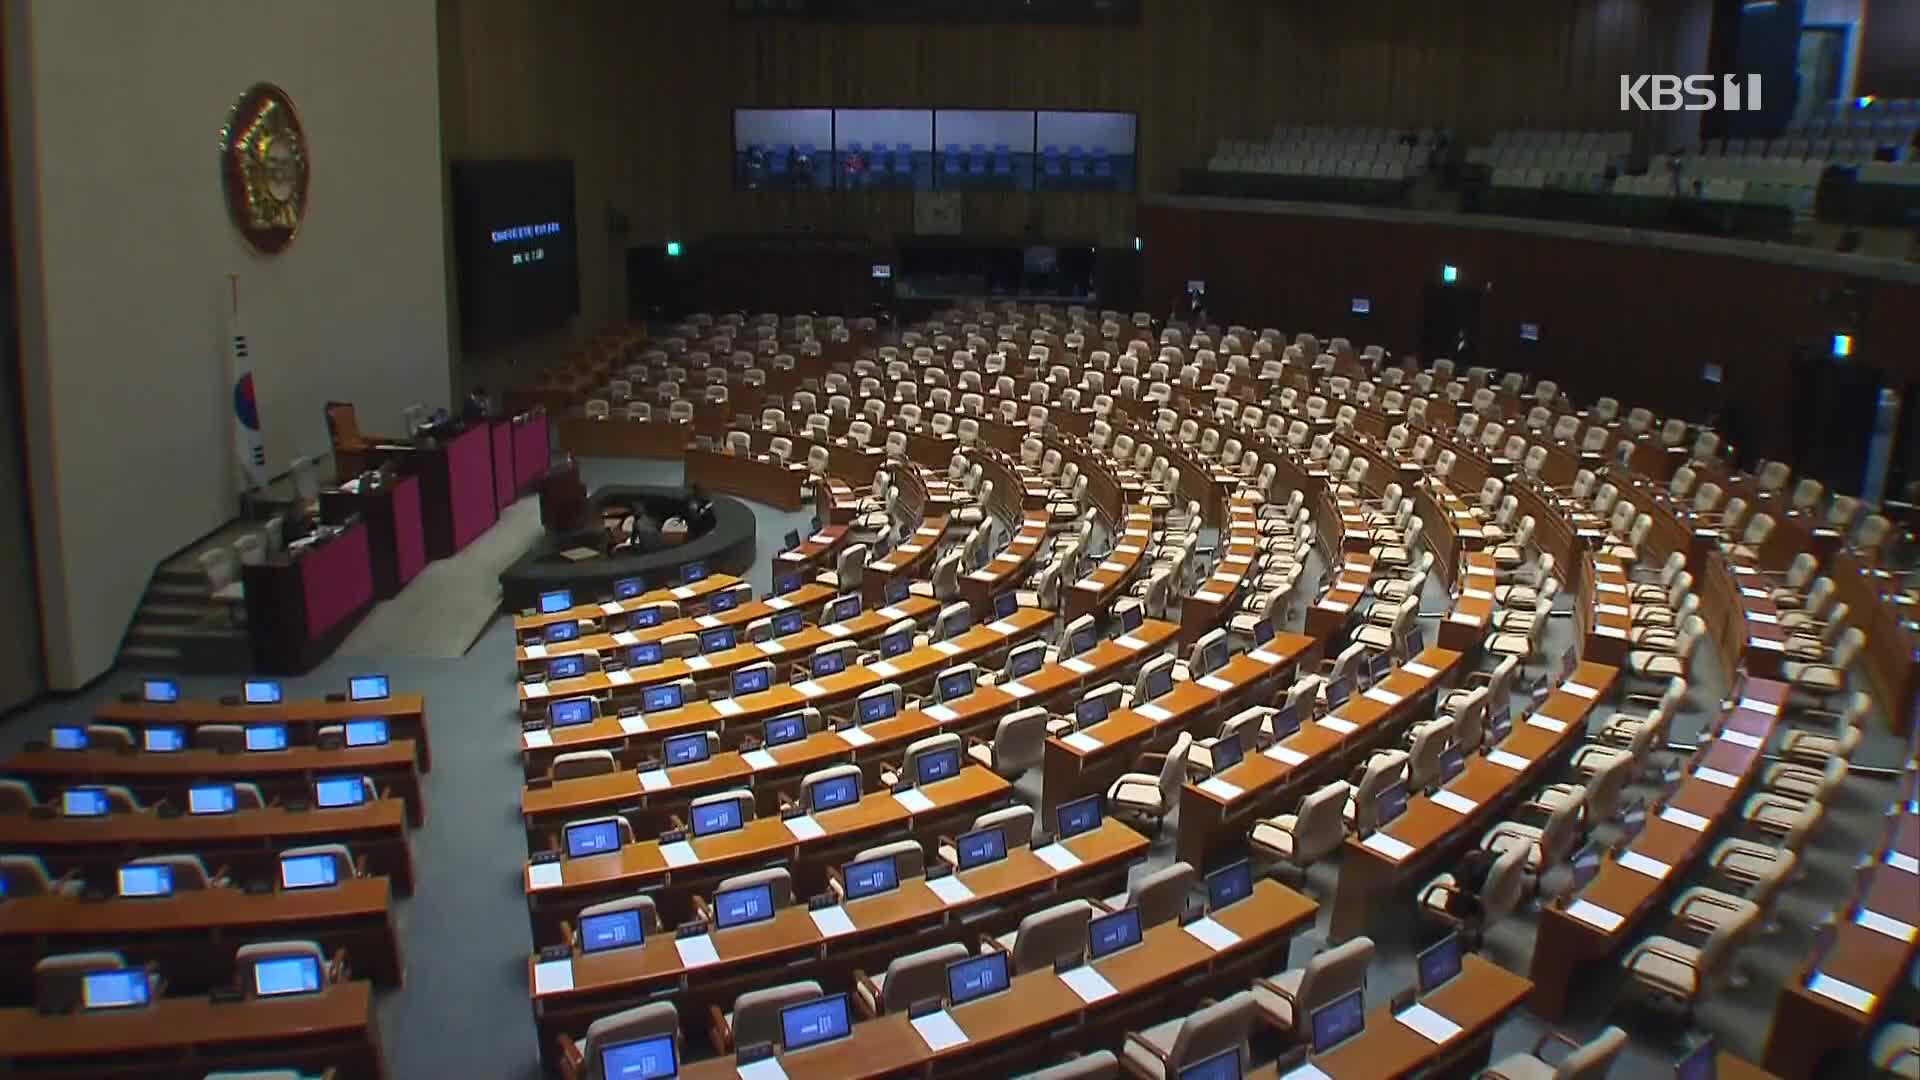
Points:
(464, 1010)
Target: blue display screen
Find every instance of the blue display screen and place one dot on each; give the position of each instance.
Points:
(719, 817)
(308, 871)
(1108, 934)
(261, 692)
(567, 667)
(119, 989)
(645, 617)
(83, 802)
(266, 737)
(1079, 816)
(716, 639)
(1005, 604)
(862, 879)
(981, 846)
(814, 1022)
(592, 838)
(644, 655)
(570, 712)
(146, 880)
(369, 732)
(1224, 1065)
(737, 907)
(787, 622)
(877, 707)
(556, 633)
(752, 681)
(626, 588)
(614, 930)
(210, 799)
(692, 572)
(976, 977)
(956, 685)
(939, 765)
(786, 729)
(726, 601)
(280, 975)
(660, 698)
(839, 791)
(1229, 885)
(829, 663)
(336, 791)
(160, 691)
(1092, 710)
(164, 740)
(1438, 963)
(367, 688)
(651, 1058)
(1338, 1021)
(557, 600)
(686, 749)
(67, 737)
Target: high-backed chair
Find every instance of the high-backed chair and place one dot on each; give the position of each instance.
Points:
(581, 1061)
(755, 1018)
(1018, 744)
(1588, 1061)
(1501, 892)
(1286, 1000)
(917, 976)
(1163, 1050)
(1150, 795)
(1046, 935)
(1161, 895)
(1311, 833)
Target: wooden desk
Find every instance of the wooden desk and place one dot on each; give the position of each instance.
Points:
(1327, 619)
(816, 551)
(1039, 1018)
(406, 716)
(762, 842)
(1100, 588)
(755, 477)
(688, 597)
(1566, 943)
(1212, 818)
(807, 599)
(247, 841)
(911, 561)
(192, 936)
(906, 920)
(1213, 602)
(1609, 612)
(1465, 627)
(1089, 761)
(1434, 829)
(183, 1038)
(1006, 569)
(1763, 642)
(281, 774)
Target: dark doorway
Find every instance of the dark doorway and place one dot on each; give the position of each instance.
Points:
(655, 284)
(1450, 324)
(1835, 409)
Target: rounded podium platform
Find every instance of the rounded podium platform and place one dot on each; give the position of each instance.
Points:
(727, 547)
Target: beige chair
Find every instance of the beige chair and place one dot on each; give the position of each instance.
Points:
(917, 976)
(1016, 821)
(1814, 747)
(1895, 1051)
(26, 875)
(909, 858)
(582, 763)
(1019, 743)
(1287, 1000)
(919, 748)
(1547, 844)
(1311, 833)
(755, 1018)
(1099, 1065)
(640, 902)
(1669, 663)
(1830, 677)
(1161, 1051)
(1045, 936)
(1499, 895)
(1671, 970)
(778, 879)
(1149, 795)
(582, 1059)
(247, 956)
(1161, 896)
(1587, 1061)
(57, 977)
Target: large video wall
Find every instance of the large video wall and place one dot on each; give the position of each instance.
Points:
(933, 150)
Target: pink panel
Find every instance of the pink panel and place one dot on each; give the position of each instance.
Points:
(470, 484)
(337, 578)
(409, 536)
(502, 464)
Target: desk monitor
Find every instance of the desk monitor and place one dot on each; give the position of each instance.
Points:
(1081, 642)
(645, 617)
(834, 792)
(146, 880)
(895, 591)
(952, 626)
(1586, 864)
(1699, 1064)
(877, 707)
(980, 847)
(1452, 764)
(1215, 655)
(1415, 642)
(368, 688)
(1338, 691)
(870, 877)
(120, 988)
(957, 684)
(556, 600)
(159, 691)
(1632, 820)
(566, 667)
(1390, 803)
(1082, 815)
(1227, 753)
(1338, 1020)
(1159, 682)
(686, 749)
(1262, 632)
(210, 799)
(570, 712)
(785, 584)
(792, 541)
(278, 976)
(716, 817)
(69, 737)
(880, 548)
(717, 639)
(1113, 932)
(1005, 604)
(1024, 662)
(1438, 963)
(782, 730)
(896, 643)
(1379, 666)
(369, 732)
(1286, 721)
(692, 572)
(936, 766)
(725, 600)
(84, 802)
(1499, 723)
(1092, 710)
(613, 930)
(1130, 618)
(170, 739)
(1224, 1065)
(977, 977)
(651, 1058)
(828, 662)
(333, 792)
(788, 622)
(661, 698)
(592, 838)
(261, 692)
(266, 737)
(308, 872)
(738, 907)
(626, 588)
(753, 680)
(1229, 885)
(645, 655)
(847, 607)
(561, 632)
(814, 1023)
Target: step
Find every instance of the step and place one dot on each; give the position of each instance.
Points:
(150, 655)
(146, 634)
(178, 613)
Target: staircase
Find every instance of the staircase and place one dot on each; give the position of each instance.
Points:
(179, 626)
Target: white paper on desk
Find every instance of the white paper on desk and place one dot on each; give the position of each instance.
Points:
(654, 780)
(885, 566)
(1386, 845)
(696, 951)
(1002, 627)
(1464, 618)
(1087, 584)
(946, 648)
(534, 689)
(943, 714)
(938, 1031)
(1509, 761)
(1843, 992)
(854, 736)
(679, 853)
(951, 890)
(1113, 567)
(1608, 586)
(1309, 1071)
(1753, 594)
(1459, 804)
(912, 801)
(1609, 567)
(633, 725)
(1216, 684)
(1128, 641)
(1546, 723)
(537, 740)
(535, 652)
(1007, 557)
(684, 592)
(1384, 697)
(1893, 928)
(1640, 864)
(706, 622)
(698, 663)
(1902, 861)
(1587, 692)
(980, 575)
(1089, 984)
(1284, 755)
(1076, 665)
(626, 637)
(837, 630)
(779, 603)
(1741, 738)
(1428, 1024)
(1338, 724)
(804, 827)
(1017, 689)
(553, 976)
(543, 875)
(1762, 617)
(832, 922)
(1127, 549)
(1212, 934)
(891, 613)
(1594, 915)
(1220, 789)
(1476, 594)
(883, 669)
(1683, 819)
(1715, 776)
(611, 608)
(758, 759)
(1211, 596)
(1058, 856)
(1760, 706)
(1083, 742)
(809, 689)
(1154, 713)
(1769, 644)
(1610, 631)
(1421, 670)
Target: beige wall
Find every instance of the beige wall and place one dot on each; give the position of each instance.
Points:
(124, 249)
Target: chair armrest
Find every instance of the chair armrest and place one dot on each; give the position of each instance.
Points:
(862, 982)
(573, 1060)
(987, 941)
(1134, 1038)
(1540, 1045)
(337, 968)
(701, 910)
(1155, 758)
